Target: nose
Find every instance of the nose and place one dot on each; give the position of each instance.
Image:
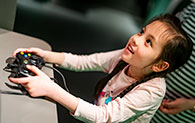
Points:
(135, 41)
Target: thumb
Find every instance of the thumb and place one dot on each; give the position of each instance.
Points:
(34, 69)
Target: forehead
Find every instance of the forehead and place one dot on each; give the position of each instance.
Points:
(159, 30)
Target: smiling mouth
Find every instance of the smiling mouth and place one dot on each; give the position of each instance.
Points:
(130, 49)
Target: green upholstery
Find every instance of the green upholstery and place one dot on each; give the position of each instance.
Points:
(157, 7)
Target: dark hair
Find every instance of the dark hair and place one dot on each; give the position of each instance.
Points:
(176, 52)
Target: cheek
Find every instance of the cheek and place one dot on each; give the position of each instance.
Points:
(146, 59)
(143, 59)
(140, 59)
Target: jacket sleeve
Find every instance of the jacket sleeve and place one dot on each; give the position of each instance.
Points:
(140, 103)
(93, 62)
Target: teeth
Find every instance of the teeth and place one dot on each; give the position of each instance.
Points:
(130, 50)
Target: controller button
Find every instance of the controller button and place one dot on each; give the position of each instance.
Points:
(34, 57)
(29, 54)
(25, 62)
(25, 55)
(22, 53)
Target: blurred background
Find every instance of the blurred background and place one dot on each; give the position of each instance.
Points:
(84, 27)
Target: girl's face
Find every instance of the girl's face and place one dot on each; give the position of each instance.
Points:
(144, 47)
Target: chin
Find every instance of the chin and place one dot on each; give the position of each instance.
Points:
(124, 58)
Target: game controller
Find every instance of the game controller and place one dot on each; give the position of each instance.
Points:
(17, 67)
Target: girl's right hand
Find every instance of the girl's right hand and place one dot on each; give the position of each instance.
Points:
(36, 51)
(39, 85)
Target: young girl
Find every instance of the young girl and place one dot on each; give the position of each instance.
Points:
(134, 87)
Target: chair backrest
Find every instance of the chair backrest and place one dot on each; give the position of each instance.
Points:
(157, 7)
(7, 14)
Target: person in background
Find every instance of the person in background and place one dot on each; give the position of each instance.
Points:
(179, 103)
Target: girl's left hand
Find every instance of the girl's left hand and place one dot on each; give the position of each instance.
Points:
(39, 85)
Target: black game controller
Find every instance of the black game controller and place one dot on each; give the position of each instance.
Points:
(17, 67)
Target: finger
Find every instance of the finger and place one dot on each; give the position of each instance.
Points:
(20, 50)
(34, 49)
(164, 109)
(169, 104)
(37, 51)
(22, 80)
(34, 69)
(25, 85)
(168, 111)
(166, 100)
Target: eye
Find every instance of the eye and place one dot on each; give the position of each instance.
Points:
(149, 42)
(141, 32)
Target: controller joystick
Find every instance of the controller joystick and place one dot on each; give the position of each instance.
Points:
(17, 67)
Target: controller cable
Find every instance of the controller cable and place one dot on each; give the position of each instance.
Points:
(63, 79)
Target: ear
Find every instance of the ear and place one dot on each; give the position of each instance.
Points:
(160, 66)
